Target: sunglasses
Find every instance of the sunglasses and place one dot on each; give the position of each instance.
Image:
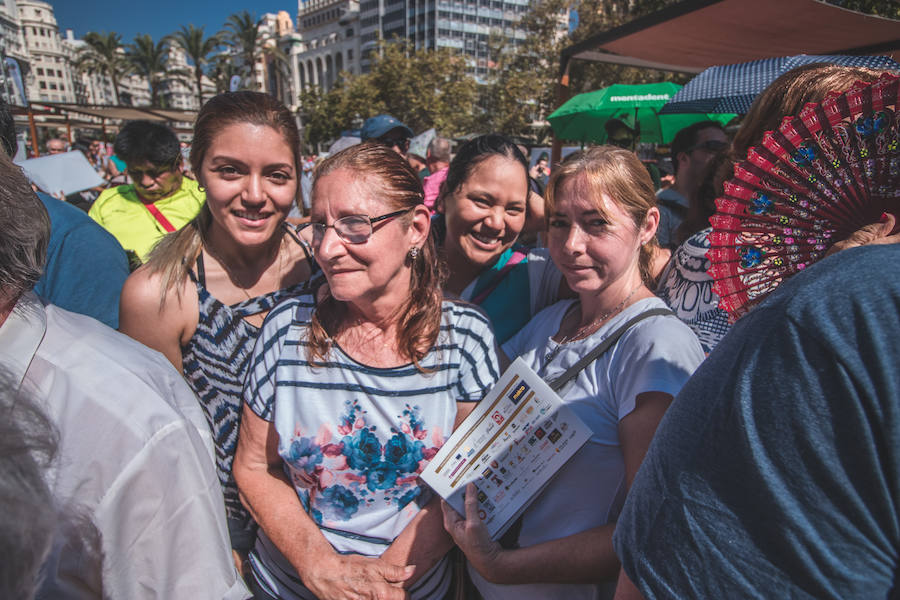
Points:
(352, 229)
(138, 174)
(709, 146)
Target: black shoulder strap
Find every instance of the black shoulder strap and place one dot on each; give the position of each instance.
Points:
(605, 345)
(201, 270)
(510, 539)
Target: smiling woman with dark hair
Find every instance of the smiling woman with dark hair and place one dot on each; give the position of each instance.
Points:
(483, 205)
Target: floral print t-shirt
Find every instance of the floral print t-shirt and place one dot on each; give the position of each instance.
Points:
(354, 438)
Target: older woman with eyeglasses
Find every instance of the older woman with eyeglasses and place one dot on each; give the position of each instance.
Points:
(352, 391)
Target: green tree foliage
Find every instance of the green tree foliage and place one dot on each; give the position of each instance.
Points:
(103, 54)
(882, 8)
(148, 58)
(421, 88)
(197, 48)
(522, 90)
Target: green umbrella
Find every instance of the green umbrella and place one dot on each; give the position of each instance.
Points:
(582, 117)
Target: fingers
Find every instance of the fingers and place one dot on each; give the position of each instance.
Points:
(396, 575)
(451, 517)
(472, 503)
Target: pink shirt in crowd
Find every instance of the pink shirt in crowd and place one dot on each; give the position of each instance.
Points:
(432, 186)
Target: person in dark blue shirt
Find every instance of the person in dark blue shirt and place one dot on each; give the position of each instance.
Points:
(776, 471)
(86, 267)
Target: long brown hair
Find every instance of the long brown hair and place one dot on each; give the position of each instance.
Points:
(788, 94)
(398, 186)
(619, 174)
(174, 255)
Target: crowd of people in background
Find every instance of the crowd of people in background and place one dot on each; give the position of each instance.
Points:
(222, 373)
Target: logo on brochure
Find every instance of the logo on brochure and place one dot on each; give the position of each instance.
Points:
(497, 417)
(539, 433)
(554, 436)
(518, 392)
(486, 473)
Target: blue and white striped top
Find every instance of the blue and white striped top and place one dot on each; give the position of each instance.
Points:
(354, 438)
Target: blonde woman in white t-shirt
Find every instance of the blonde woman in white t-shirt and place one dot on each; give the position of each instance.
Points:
(602, 218)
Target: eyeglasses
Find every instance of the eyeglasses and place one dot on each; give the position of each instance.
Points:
(352, 229)
(398, 141)
(709, 146)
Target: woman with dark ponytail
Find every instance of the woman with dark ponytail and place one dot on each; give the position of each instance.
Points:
(206, 288)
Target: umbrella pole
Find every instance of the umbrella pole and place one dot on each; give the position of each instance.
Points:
(637, 131)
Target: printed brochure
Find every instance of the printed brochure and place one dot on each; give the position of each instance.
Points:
(511, 445)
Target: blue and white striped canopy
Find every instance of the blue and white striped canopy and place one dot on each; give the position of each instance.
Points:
(732, 88)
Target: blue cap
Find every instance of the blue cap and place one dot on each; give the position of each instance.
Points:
(375, 127)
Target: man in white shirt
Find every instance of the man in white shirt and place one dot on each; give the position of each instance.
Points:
(135, 454)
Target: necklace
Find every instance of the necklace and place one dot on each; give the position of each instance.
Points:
(586, 330)
(234, 278)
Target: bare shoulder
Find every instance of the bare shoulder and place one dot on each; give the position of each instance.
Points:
(163, 319)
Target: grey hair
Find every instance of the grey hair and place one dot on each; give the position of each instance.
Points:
(439, 149)
(26, 231)
(28, 443)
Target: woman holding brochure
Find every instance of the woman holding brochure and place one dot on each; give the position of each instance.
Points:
(351, 392)
(602, 218)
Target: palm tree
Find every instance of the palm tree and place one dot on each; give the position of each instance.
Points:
(103, 54)
(197, 48)
(149, 59)
(223, 70)
(242, 36)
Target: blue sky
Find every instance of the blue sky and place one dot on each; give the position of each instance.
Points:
(156, 17)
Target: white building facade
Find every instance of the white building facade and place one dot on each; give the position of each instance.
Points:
(49, 77)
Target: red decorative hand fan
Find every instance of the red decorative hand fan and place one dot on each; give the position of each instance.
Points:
(821, 176)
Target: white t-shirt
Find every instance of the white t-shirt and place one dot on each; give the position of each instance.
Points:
(658, 354)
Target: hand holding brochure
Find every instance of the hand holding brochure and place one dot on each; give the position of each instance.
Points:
(511, 445)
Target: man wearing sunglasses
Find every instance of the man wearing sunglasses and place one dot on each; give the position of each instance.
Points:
(388, 131)
(159, 200)
(691, 150)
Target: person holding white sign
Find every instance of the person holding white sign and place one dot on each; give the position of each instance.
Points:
(353, 390)
(602, 218)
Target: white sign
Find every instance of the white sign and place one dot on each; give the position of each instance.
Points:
(68, 173)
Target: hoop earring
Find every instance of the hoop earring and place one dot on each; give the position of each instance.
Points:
(201, 188)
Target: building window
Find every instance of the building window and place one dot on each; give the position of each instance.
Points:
(40, 71)
(42, 85)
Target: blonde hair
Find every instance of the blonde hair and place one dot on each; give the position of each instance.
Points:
(176, 253)
(398, 186)
(620, 175)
